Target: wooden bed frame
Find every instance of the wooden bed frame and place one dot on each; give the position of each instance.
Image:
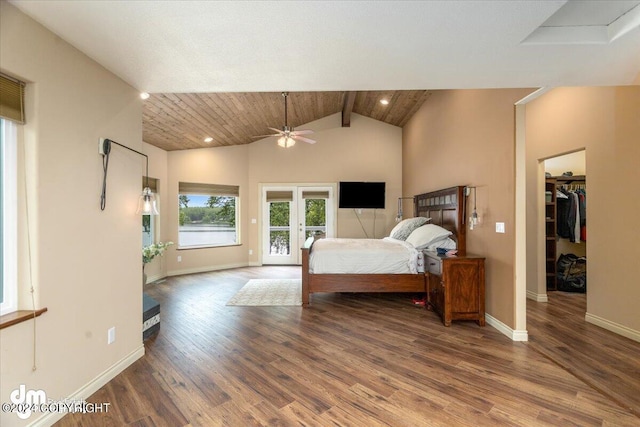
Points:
(446, 208)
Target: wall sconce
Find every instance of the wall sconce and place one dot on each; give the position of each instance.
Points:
(474, 219)
(147, 200)
(400, 213)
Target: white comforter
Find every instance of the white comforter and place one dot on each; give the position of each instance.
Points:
(363, 256)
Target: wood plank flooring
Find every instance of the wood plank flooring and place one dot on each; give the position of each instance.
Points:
(605, 361)
(360, 360)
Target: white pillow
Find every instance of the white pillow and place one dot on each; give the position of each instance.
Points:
(403, 229)
(426, 235)
(446, 243)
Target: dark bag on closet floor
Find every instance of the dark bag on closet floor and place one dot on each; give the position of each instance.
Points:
(572, 273)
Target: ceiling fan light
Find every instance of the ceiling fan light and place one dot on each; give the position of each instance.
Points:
(286, 142)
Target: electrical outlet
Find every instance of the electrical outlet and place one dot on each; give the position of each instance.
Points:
(179, 258)
(250, 251)
(111, 335)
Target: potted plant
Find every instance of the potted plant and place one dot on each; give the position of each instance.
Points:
(150, 252)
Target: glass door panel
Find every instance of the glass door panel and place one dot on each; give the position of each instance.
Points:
(315, 218)
(279, 228)
(279, 235)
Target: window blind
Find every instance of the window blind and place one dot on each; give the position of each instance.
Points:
(11, 99)
(315, 194)
(208, 189)
(279, 196)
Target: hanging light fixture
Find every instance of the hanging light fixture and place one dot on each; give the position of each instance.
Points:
(147, 201)
(400, 213)
(474, 219)
(286, 141)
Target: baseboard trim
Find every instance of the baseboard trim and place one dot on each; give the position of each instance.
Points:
(537, 297)
(616, 328)
(94, 385)
(514, 335)
(206, 269)
(154, 278)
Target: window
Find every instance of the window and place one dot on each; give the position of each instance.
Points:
(8, 216)
(149, 221)
(208, 215)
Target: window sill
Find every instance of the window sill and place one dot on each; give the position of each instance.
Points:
(19, 316)
(188, 248)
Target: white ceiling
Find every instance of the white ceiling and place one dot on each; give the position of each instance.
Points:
(236, 46)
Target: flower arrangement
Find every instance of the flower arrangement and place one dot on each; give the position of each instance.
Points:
(154, 250)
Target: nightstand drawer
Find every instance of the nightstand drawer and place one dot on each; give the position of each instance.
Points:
(432, 264)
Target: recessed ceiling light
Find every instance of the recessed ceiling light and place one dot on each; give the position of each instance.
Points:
(144, 95)
(384, 101)
(208, 139)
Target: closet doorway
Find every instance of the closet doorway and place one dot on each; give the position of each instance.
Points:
(290, 215)
(566, 223)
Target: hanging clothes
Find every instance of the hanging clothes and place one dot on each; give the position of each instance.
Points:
(576, 228)
(582, 205)
(562, 215)
(571, 215)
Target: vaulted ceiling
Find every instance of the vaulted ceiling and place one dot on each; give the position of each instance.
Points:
(184, 120)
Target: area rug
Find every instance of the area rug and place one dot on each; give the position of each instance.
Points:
(269, 292)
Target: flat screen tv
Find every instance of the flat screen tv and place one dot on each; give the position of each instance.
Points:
(362, 195)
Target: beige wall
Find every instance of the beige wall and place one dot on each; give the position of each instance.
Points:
(369, 150)
(223, 165)
(572, 162)
(86, 265)
(466, 137)
(604, 121)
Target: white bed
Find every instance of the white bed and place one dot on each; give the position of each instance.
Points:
(365, 256)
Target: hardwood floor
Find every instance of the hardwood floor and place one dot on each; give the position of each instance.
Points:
(605, 361)
(361, 360)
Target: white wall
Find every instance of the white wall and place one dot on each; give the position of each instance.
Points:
(86, 266)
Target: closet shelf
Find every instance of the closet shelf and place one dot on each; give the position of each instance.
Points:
(569, 179)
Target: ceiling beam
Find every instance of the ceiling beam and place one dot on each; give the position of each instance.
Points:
(347, 107)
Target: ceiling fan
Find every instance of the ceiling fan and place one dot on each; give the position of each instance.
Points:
(288, 136)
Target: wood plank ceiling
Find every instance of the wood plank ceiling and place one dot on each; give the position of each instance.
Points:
(179, 121)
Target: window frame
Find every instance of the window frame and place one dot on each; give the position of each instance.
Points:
(209, 190)
(9, 182)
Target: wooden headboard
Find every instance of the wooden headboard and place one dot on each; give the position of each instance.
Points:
(446, 208)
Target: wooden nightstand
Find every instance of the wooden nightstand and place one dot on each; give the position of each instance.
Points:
(455, 287)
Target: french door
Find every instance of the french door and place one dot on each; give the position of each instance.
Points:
(290, 215)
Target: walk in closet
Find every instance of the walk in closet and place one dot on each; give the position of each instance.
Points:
(566, 232)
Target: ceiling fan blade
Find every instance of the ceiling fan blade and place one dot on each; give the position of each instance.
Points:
(302, 138)
(265, 136)
(302, 132)
(280, 131)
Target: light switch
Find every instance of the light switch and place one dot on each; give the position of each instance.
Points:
(499, 227)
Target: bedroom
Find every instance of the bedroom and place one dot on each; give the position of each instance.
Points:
(84, 284)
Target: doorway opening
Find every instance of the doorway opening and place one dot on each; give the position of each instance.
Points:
(565, 214)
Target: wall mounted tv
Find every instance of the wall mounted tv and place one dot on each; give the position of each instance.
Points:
(362, 195)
